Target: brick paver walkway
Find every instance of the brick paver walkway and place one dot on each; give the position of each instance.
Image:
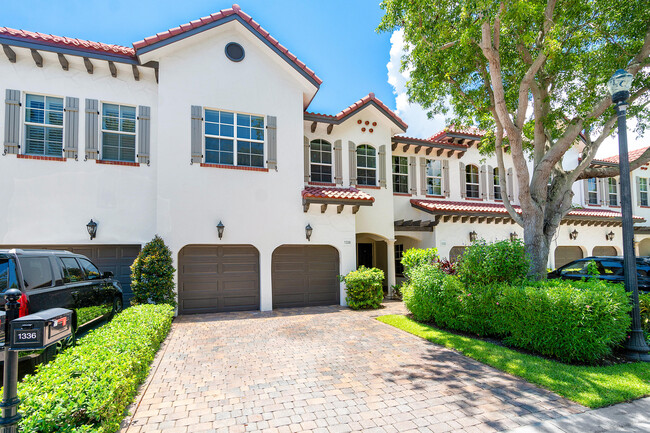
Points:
(325, 369)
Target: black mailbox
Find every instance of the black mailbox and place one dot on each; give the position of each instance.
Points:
(39, 330)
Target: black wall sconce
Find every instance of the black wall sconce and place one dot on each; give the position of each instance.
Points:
(514, 236)
(220, 228)
(573, 235)
(308, 232)
(92, 229)
(472, 236)
(609, 236)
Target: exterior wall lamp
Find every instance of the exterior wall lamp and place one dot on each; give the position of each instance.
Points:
(220, 228)
(308, 232)
(514, 236)
(573, 235)
(609, 236)
(472, 236)
(92, 229)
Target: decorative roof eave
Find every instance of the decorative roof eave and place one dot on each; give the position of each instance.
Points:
(429, 146)
(642, 230)
(339, 203)
(416, 226)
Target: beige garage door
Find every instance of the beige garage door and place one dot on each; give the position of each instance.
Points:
(564, 255)
(604, 251)
(218, 278)
(455, 253)
(305, 275)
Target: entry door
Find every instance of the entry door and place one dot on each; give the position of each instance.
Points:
(364, 255)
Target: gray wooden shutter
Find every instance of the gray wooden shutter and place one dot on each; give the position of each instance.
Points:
(483, 182)
(71, 128)
(618, 192)
(423, 176)
(445, 178)
(305, 152)
(638, 191)
(144, 134)
(511, 186)
(12, 121)
(604, 191)
(585, 189)
(92, 129)
(413, 186)
(353, 163)
(338, 162)
(197, 134)
(490, 182)
(272, 136)
(382, 166)
(463, 190)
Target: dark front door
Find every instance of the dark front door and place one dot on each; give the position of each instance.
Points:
(364, 255)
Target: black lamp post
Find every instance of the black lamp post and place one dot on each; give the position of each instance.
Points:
(619, 87)
(92, 229)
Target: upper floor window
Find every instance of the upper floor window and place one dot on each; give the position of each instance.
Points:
(118, 132)
(400, 174)
(643, 191)
(471, 181)
(320, 155)
(592, 191)
(434, 177)
(43, 125)
(612, 186)
(366, 165)
(497, 184)
(228, 134)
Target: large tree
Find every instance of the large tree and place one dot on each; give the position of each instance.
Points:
(533, 73)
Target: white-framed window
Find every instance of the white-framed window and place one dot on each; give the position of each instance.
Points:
(612, 191)
(366, 165)
(43, 125)
(400, 174)
(118, 132)
(643, 191)
(592, 191)
(472, 186)
(234, 138)
(434, 177)
(320, 157)
(497, 185)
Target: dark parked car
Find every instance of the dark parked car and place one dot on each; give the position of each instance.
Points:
(50, 279)
(609, 269)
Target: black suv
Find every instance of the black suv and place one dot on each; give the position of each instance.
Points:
(50, 279)
(609, 269)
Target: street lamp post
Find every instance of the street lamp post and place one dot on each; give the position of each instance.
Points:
(619, 87)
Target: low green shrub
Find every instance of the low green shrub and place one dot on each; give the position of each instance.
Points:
(415, 257)
(644, 303)
(88, 387)
(152, 275)
(364, 288)
(487, 263)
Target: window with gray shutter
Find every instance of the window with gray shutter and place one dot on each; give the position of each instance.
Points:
(382, 166)
(463, 192)
(483, 182)
(491, 179)
(197, 136)
(338, 162)
(413, 183)
(306, 162)
(353, 163)
(144, 134)
(12, 122)
(423, 176)
(92, 129)
(604, 193)
(272, 137)
(71, 143)
(445, 178)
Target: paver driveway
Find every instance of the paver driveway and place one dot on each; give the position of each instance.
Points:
(325, 369)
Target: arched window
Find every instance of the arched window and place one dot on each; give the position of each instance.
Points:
(366, 165)
(471, 181)
(320, 155)
(497, 185)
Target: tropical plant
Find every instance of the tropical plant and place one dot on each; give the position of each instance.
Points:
(152, 274)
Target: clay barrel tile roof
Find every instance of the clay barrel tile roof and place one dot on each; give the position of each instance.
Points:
(334, 193)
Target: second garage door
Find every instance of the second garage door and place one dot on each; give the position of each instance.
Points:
(564, 255)
(305, 275)
(218, 278)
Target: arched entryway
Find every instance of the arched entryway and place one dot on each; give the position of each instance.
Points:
(567, 254)
(644, 247)
(456, 252)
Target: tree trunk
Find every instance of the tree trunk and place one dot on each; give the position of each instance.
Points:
(537, 244)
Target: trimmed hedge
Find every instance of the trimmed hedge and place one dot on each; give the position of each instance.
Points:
(486, 263)
(364, 288)
(88, 387)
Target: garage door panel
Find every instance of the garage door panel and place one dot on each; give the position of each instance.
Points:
(567, 254)
(200, 305)
(604, 251)
(200, 268)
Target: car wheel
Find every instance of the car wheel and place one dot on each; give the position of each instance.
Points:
(118, 306)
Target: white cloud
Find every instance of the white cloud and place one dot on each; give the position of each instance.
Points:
(413, 114)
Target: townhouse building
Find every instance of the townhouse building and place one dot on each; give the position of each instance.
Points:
(202, 134)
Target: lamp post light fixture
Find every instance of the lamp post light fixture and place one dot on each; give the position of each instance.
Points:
(609, 236)
(573, 235)
(220, 228)
(619, 87)
(92, 229)
(472, 236)
(308, 232)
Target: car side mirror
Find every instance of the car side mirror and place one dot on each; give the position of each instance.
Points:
(107, 274)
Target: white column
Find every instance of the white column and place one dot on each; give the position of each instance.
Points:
(390, 247)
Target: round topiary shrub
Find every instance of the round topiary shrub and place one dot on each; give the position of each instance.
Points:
(152, 275)
(364, 288)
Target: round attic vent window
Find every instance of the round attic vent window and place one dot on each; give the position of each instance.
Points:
(235, 52)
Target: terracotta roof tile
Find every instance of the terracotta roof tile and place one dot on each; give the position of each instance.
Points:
(632, 155)
(78, 44)
(370, 97)
(472, 207)
(235, 10)
(336, 193)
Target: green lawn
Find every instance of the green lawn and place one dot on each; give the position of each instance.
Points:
(590, 386)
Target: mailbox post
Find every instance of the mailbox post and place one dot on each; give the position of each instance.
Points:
(10, 401)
